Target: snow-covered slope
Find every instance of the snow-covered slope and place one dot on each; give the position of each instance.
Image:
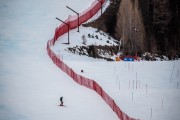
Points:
(30, 85)
(151, 88)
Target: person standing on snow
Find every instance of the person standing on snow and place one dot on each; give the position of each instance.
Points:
(61, 100)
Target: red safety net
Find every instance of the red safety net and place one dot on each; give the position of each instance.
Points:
(72, 21)
(91, 84)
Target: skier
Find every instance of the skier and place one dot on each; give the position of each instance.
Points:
(61, 100)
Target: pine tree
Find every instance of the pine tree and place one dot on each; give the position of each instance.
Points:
(161, 20)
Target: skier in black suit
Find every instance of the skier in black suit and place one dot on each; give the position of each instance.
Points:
(61, 100)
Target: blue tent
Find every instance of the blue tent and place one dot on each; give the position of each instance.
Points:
(128, 59)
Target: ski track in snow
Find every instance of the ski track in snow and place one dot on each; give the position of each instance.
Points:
(116, 78)
(154, 93)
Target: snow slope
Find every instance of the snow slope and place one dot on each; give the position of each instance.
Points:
(151, 88)
(30, 85)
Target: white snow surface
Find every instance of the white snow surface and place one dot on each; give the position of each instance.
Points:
(30, 84)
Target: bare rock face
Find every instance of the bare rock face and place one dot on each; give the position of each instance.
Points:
(130, 27)
(143, 25)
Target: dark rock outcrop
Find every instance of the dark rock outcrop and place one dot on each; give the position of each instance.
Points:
(145, 25)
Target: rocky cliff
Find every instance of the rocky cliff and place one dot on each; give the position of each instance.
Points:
(143, 25)
(130, 28)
